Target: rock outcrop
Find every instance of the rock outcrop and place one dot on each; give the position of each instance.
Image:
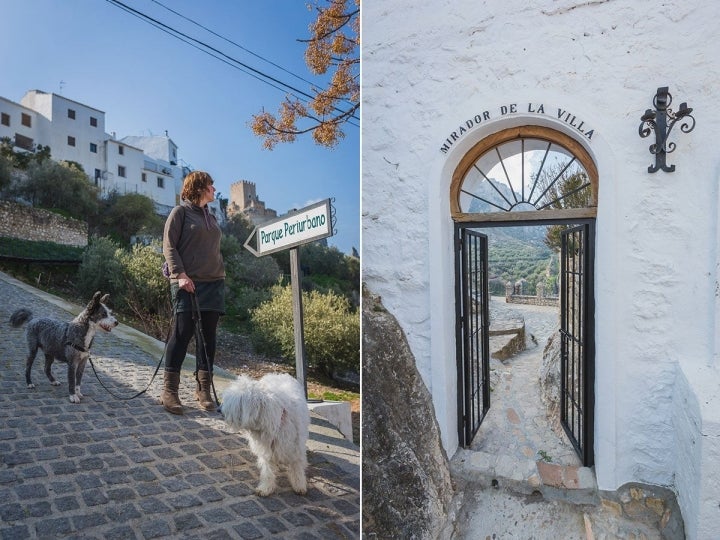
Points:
(407, 489)
(550, 380)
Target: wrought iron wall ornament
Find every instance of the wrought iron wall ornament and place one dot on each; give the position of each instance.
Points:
(661, 121)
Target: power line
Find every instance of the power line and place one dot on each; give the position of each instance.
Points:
(209, 50)
(158, 26)
(232, 42)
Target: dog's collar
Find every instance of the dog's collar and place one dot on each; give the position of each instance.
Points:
(76, 346)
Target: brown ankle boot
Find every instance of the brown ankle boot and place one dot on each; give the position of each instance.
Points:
(202, 392)
(170, 398)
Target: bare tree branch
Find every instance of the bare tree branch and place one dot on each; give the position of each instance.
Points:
(337, 104)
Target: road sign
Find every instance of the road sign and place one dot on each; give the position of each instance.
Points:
(293, 229)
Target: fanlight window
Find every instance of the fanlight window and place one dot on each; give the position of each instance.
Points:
(526, 173)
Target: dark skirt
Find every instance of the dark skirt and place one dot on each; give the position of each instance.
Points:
(210, 296)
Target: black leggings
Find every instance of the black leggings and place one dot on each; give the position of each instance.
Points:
(182, 333)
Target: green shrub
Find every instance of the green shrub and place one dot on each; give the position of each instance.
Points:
(133, 278)
(240, 301)
(6, 169)
(59, 186)
(332, 330)
(33, 249)
(246, 270)
(126, 215)
(100, 270)
(146, 290)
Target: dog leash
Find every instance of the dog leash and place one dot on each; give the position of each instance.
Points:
(200, 338)
(157, 369)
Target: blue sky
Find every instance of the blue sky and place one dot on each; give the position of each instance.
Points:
(147, 82)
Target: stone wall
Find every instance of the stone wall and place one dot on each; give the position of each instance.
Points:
(655, 506)
(553, 301)
(513, 296)
(28, 223)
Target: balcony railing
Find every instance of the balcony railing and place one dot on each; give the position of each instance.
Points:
(150, 166)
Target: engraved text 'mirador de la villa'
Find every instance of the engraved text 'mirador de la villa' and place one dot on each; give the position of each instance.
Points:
(532, 108)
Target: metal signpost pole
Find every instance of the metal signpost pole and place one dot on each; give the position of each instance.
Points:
(299, 331)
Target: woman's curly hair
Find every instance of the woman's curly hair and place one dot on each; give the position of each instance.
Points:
(194, 184)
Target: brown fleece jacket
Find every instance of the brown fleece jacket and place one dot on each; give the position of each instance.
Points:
(191, 243)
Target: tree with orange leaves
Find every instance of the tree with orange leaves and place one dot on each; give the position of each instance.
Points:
(333, 46)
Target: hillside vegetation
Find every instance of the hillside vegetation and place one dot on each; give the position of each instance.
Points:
(521, 253)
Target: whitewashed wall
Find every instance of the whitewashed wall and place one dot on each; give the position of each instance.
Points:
(56, 126)
(429, 67)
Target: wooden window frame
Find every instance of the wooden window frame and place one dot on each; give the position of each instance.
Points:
(507, 135)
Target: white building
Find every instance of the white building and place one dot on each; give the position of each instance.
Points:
(446, 86)
(76, 132)
(160, 166)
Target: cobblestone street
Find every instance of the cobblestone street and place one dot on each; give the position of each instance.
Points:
(109, 468)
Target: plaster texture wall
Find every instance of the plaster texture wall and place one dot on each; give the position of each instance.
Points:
(15, 112)
(55, 126)
(428, 68)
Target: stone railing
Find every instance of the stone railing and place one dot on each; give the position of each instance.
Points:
(28, 223)
(513, 295)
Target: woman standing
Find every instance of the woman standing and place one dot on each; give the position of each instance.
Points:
(191, 245)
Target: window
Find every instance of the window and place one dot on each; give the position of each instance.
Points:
(93, 121)
(23, 142)
(160, 182)
(71, 141)
(71, 114)
(98, 175)
(121, 171)
(26, 120)
(144, 177)
(5, 119)
(121, 150)
(527, 169)
(93, 148)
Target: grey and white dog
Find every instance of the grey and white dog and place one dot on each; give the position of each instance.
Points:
(67, 342)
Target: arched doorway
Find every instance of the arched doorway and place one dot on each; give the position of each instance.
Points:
(527, 176)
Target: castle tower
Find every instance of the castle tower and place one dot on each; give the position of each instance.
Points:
(244, 199)
(242, 193)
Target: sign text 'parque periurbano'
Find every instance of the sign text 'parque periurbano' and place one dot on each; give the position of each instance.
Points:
(300, 227)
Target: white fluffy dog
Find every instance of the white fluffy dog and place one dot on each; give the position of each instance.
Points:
(273, 412)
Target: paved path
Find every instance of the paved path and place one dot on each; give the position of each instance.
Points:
(115, 469)
(509, 486)
(516, 423)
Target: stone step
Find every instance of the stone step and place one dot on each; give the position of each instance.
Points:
(566, 483)
(504, 346)
(506, 326)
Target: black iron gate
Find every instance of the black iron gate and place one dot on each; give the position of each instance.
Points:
(577, 368)
(472, 333)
